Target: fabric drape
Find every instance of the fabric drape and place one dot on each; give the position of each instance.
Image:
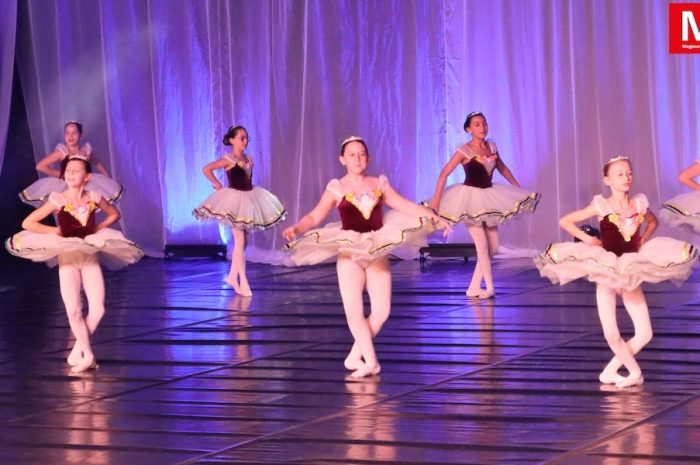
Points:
(8, 27)
(564, 85)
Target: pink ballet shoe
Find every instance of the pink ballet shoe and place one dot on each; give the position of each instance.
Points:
(231, 281)
(610, 378)
(366, 370)
(474, 294)
(630, 381)
(74, 357)
(487, 294)
(353, 364)
(85, 365)
(245, 290)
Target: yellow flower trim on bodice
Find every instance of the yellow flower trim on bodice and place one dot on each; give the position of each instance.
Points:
(366, 202)
(627, 227)
(82, 214)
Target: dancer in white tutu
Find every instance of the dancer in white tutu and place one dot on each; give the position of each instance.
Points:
(618, 263)
(77, 245)
(360, 242)
(100, 182)
(241, 205)
(478, 203)
(683, 211)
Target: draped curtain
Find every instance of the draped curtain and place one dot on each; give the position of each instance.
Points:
(564, 85)
(8, 25)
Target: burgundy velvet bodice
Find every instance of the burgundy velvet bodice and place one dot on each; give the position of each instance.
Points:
(614, 241)
(72, 227)
(352, 218)
(238, 179)
(477, 175)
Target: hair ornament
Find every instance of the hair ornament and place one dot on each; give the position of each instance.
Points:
(230, 131)
(616, 159)
(352, 139)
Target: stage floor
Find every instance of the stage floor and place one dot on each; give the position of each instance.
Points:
(191, 373)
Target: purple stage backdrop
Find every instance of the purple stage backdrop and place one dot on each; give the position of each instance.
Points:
(564, 84)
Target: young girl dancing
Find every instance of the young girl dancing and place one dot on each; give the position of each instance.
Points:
(242, 206)
(683, 210)
(361, 245)
(78, 244)
(100, 183)
(478, 203)
(618, 263)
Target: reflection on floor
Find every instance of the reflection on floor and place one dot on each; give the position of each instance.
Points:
(191, 373)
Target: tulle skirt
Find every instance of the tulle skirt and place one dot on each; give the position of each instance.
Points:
(325, 244)
(111, 247)
(659, 259)
(38, 192)
(254, 209)
(493, 205)
(682, 211)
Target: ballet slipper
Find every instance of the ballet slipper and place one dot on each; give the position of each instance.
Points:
(85, 365)
(487, 294)
(353, 364)
(245, 290)
(610, 378)
(630, 381)
(75, 356)
(231, 280)
(473, 294)
(366, 370)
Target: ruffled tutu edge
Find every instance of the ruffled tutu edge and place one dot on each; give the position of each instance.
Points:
(679, 218)
(114, 253)
(38, 199)
(495, 217)
(347, 244)
(204, 213)
(570, 268)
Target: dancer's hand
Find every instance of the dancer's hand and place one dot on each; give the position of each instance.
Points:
(217, 185)
(290, 233)
(442, 225)
(592, 240)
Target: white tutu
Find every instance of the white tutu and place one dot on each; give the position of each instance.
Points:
(682, 211)
(38, 192)
(253, 209)
(112, 248)
(659, 259)
(325, 244)
(492, 205)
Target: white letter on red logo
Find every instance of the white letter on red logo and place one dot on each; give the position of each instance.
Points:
(688, 19)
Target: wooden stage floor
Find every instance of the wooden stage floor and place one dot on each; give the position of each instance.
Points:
(192, 374)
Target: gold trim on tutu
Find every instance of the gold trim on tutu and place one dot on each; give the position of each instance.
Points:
(659, 259)
(323, 244)
(682, 211)
(253, 209)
